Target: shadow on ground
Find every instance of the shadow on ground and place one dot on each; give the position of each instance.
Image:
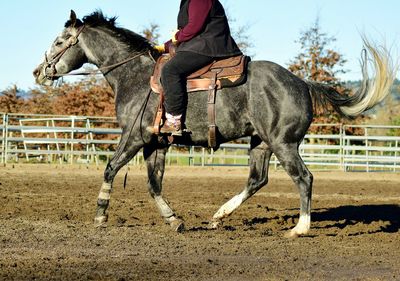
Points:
(366, 214)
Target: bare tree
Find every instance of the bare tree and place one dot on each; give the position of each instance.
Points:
(152, 32)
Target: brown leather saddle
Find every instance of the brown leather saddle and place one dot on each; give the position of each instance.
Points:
(229, 72)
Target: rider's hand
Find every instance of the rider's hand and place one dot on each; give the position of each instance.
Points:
(160, 48)
(174, 40)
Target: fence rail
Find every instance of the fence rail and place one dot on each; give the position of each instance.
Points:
(77, 139)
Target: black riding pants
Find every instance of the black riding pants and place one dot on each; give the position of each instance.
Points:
(173, 79)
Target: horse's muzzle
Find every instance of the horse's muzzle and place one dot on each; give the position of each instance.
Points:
(40, 75)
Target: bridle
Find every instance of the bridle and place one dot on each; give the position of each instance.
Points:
(50, 65)
(50, 71)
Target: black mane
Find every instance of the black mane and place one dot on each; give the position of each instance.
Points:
(133, 40)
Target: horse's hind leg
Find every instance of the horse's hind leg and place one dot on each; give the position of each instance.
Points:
(155, 160)
(119, 159)
(290, 159)
(260, 155)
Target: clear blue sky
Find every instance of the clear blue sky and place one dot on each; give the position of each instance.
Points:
(28, 27)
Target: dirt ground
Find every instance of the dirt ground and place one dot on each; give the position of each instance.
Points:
(47, 231)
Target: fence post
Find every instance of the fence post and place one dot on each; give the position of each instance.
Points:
(23, 135)
(5, 140)
(366, 148)
(341, 151)
(72, 138)
(395, 156)
(191, 157)
(203, 156)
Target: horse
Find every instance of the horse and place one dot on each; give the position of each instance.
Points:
(273, 107)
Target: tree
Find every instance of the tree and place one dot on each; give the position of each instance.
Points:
(40, 102)
(242, 38)
(11, 100)
(86, 98)
(320, 63)
(239, 33)
(152, 33)
(317, 62)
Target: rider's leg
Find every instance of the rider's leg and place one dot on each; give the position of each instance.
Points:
(173, 79)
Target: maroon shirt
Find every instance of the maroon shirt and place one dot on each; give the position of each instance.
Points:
(198, 13)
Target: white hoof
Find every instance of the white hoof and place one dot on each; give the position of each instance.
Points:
(176, 224)
(291, 234)
(302, 227)
(100, 221)
(215, 224)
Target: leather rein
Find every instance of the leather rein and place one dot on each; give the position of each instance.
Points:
(50, 65)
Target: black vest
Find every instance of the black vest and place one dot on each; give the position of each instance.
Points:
(215, 39)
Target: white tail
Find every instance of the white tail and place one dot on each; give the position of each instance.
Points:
(376, 89)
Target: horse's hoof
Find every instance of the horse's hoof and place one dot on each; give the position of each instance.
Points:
(291, 235)
(100, 221)
(176, 224)
(214, 224)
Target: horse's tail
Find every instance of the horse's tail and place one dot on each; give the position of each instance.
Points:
(371, 92)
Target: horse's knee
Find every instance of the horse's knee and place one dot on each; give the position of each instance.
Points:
(303, 178)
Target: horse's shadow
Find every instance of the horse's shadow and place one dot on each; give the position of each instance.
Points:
(338, 217)
(345, 216)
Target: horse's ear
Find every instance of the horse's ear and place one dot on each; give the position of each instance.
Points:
(72, 18)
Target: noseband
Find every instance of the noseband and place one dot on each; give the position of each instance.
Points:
(50, 65)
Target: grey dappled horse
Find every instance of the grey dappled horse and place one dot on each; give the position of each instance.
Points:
(274, 108)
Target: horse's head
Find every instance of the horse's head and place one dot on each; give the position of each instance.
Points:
(64, 55)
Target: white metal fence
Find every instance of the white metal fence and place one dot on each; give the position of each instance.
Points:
(77, 139)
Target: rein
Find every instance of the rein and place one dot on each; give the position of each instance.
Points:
(50, 66)
(101, 69)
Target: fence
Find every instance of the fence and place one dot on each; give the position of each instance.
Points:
(76, 139)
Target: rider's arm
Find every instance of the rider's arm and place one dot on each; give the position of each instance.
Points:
(198, 13)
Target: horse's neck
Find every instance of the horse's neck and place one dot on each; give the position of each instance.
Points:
(102, 50)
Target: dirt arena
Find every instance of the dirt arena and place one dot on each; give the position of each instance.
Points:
(46, 230)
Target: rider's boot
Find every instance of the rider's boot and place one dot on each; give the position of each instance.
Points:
(172, 125)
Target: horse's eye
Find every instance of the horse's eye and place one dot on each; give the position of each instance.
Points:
(59, 43)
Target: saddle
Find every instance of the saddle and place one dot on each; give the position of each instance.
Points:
(229, 72)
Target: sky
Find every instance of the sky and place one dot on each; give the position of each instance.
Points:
(28, 27)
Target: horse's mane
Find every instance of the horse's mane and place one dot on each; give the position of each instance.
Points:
(133, 40)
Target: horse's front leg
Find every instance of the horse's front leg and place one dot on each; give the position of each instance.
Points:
(121, 157)
(155, 160)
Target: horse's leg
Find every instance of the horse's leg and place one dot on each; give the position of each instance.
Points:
(155, 160)
(290, 159)
(119, 159)
(260, 155)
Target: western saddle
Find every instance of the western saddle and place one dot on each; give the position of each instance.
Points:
(229, 72)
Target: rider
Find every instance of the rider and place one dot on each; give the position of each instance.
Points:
(203, 36)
